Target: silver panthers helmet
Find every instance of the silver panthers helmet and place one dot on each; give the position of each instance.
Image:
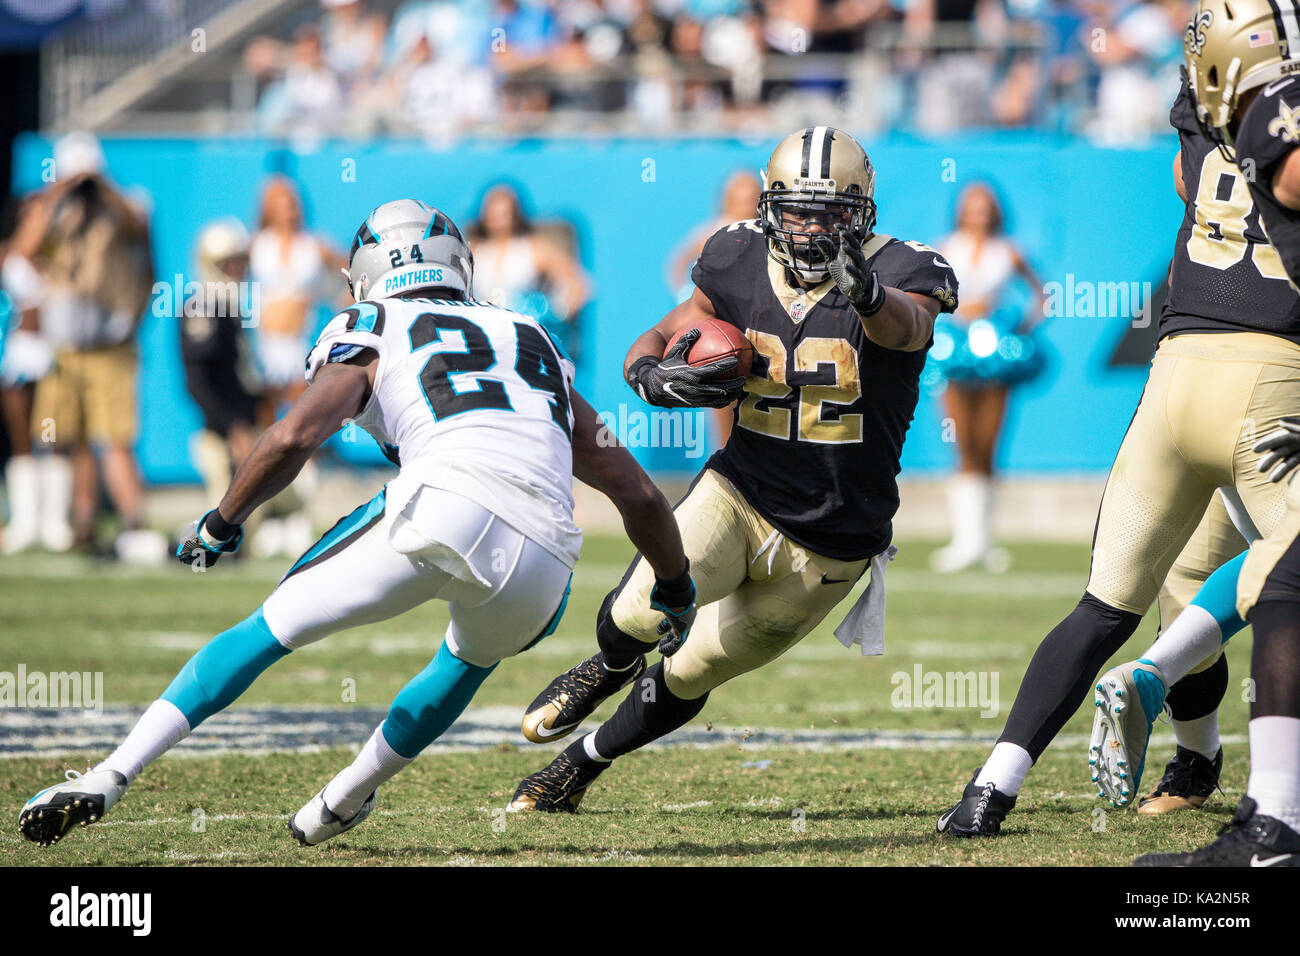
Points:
(405, 245)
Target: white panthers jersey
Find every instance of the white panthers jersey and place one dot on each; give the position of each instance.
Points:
(472, 399)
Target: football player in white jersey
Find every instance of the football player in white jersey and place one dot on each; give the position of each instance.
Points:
(476, 404)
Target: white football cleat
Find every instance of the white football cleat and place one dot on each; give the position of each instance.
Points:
(315, 823)
(1128, 699)
(82, 799)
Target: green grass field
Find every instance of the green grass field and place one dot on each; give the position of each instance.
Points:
(866, 794)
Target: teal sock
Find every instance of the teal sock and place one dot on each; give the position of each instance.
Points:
(431, 702)
(224, 668)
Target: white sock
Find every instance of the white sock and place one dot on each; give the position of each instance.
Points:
(376, 764)
(1006, 768)
(159, 729)
(1200, 734)
(1193, 636)
(589, 746)
(1275, 768)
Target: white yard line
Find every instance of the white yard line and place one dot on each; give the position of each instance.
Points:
(268, 730)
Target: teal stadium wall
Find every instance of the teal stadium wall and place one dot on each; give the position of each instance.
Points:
(1102, 215)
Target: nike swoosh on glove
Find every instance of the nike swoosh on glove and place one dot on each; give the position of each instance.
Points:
(672, 382)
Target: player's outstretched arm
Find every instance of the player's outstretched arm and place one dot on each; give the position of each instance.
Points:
(893, 319)
(601, 462)
(338, 392)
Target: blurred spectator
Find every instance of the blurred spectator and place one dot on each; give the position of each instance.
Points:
(25, 357)
(440, 98)
(518, 267)
(956, 78)
(449, 67)
(98, 271)
(352, 41)
(986, 263)
(1139, 51)
(214, 350)
(307, 101)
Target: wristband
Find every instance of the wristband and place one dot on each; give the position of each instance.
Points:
(678, 592)
(219, 527)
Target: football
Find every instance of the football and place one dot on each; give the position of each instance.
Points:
(718, 340)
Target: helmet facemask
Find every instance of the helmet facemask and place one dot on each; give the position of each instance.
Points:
(804, 226)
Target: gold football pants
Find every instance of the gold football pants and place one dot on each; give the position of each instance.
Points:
(759, 593)
(1207, 399)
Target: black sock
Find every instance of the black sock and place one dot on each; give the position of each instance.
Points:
(649, 711)
(619, 648)
(1275, 658)
(1197, 695)
(1063, 669)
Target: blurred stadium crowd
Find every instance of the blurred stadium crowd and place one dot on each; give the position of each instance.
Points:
(441, 68)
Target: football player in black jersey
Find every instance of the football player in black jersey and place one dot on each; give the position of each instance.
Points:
(1242, 58)
(784, 520)
(1226, 369)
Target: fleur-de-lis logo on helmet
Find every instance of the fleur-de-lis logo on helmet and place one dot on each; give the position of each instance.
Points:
(1196, 27)
(1286, 125)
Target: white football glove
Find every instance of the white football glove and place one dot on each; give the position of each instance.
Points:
(1280, 449)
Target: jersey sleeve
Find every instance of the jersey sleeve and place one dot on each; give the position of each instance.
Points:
(715, 273)
(916, 267)
(1182, 115)
(346, 335)
(1269, 131)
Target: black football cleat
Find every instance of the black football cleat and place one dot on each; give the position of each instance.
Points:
(980, 813)
(570, 698)
(558, 787)
(1250, 839)
(1188, 782)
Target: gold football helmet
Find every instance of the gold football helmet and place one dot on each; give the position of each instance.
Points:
(1232, 46)
(817, 182)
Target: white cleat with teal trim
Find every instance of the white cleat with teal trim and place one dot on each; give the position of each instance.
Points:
(82, 799)
(1128, 699)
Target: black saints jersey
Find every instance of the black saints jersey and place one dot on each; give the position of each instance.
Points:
(1267, 134)
(818, 434)
(1226, 276)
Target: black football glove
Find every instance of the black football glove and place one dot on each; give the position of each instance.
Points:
(207, 539)
(1280, 449)
(848, 267)
(672, 382)
(676, 601)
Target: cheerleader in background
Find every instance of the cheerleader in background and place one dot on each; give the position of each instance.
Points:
(292, 270)
(517, 267)
(979, 353)
(38, 486)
